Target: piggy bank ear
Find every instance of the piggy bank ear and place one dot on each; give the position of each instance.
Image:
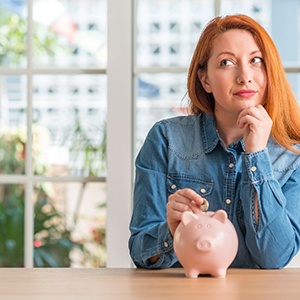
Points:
(220, 215)
(187, 217)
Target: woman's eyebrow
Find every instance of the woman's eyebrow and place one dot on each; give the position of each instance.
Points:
(232, 54)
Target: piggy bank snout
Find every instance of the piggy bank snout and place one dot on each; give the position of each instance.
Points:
(204, 245)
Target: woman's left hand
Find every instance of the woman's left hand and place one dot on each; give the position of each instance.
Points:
(257, 125)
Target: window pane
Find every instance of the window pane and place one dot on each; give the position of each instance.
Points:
(12, 124)
(70, 33)
(268, 13)
(285, 19)
(86, 216)
(69, 125)
(167, 31)
(11, 225)
(259, 10)
(69, 225)
(159, 96)
(13, 27)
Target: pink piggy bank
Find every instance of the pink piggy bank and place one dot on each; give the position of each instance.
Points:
(205, 243)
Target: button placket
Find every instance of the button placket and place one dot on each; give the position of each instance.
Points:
(230, 171)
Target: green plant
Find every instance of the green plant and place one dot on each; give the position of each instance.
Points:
(12, 152)
(86, 148)
(13, 36)
(52, 239)
(11, 225)
(83, 146)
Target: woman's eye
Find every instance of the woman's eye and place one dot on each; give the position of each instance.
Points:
(257, 60)
(226, 62)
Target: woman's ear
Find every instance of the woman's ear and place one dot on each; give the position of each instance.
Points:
(204, 80)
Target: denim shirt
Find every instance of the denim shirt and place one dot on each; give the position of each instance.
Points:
(187, 152)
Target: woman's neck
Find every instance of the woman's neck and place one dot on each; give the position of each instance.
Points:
(228, 130)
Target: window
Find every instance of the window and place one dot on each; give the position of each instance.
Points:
(53, 132)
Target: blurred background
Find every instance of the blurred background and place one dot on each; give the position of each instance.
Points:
(54, 107)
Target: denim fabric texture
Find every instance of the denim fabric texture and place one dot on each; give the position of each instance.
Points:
(187, 152)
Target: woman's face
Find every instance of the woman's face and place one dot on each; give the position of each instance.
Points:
(235, 73)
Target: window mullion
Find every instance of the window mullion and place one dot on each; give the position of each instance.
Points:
(119, 131)
(29, 216)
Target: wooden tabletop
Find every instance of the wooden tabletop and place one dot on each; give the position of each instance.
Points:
(123, 284)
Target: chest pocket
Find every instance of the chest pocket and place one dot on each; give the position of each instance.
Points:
(178, 182)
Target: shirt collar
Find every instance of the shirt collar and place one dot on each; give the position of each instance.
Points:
(210, 134)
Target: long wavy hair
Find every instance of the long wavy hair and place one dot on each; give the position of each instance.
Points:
(281, 103)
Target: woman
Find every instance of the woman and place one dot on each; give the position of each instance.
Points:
(239, 150)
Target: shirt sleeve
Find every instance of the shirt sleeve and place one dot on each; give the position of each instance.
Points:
(149, 230)
(274, 238)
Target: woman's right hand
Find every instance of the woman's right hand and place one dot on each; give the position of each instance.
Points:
(179, 202)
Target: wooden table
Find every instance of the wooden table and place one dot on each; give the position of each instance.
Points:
(123, 284)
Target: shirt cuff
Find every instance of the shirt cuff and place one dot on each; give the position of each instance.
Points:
(257, 166)
(165, 249)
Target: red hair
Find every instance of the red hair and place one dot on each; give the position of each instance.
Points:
(281, 103)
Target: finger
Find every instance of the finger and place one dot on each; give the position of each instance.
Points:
(243, 121)
(258, 111)
(179, 206)
(254, 111)
(191, 195)
(257, 117)
(251, 115)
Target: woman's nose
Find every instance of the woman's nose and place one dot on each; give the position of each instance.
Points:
(243, 76)
(242, 80)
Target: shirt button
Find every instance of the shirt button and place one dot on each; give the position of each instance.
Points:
(228, 201)
(231, 165)
(253, 169)
(173, 186)
(203, 190)
(166, 244)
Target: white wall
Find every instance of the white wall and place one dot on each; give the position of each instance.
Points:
(295, 263)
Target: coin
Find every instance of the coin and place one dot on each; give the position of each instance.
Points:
(204, 207)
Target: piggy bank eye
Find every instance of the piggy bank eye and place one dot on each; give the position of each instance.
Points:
(208, 226)
(199, 226)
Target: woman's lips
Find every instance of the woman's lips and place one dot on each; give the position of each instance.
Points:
(245, 93)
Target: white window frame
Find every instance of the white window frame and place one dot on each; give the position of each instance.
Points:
(119, 132)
